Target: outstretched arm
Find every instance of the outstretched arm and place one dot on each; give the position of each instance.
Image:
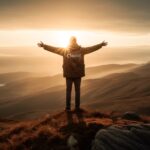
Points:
(87, 50)
(57, 50)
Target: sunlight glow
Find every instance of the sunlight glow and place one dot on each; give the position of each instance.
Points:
(9, 38)
(63, 37)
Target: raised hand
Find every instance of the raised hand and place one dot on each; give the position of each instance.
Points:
(41, 44)
(104, 43)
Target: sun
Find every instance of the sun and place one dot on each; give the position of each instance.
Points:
(64, 37)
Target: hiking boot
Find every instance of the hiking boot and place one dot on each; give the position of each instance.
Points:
(78, 109)
(67, 109)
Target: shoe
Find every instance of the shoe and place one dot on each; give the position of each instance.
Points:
(78, 109)
(67, 109)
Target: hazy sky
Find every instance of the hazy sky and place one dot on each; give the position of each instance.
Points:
(124, 24)
(120, 22)
(114, 15)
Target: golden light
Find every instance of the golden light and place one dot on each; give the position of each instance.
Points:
(61, 38)
(64, 37)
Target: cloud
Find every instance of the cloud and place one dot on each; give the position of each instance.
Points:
(114, 15)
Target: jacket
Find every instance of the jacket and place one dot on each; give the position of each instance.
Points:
(73, 58)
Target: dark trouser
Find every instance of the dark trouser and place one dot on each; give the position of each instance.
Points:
(77, 83)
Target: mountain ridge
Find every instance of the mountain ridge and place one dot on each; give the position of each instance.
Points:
(108, 93)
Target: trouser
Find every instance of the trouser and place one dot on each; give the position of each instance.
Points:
(77, 83)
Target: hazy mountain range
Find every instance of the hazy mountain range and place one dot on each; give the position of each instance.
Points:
(108, 87)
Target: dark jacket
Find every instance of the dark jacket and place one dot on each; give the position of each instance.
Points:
(73, 58)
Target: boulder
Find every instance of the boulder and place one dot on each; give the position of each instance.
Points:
(131, 116)
(123, 138)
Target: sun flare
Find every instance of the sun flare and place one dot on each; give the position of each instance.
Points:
(64, 37)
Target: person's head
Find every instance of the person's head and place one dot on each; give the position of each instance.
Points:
(73, 40)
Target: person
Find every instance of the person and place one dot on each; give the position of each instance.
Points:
(73, 66)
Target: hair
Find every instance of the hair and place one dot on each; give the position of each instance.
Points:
(73, 40)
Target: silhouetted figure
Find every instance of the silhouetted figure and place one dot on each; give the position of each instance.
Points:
(73, 66)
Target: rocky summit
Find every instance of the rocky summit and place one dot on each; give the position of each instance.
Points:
(76, 130)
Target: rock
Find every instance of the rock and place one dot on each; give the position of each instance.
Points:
(122, 138)
(72, 143)
(131, 116)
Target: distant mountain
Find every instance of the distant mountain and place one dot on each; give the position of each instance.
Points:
(120, 91)
(143, 70)
(29, 83)
(127, 91)
(13, 76)
(103, 70)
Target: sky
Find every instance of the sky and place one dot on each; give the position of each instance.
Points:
(113, 15)
(122, 23)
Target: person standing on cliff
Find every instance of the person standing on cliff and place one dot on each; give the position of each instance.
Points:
(73, 66)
